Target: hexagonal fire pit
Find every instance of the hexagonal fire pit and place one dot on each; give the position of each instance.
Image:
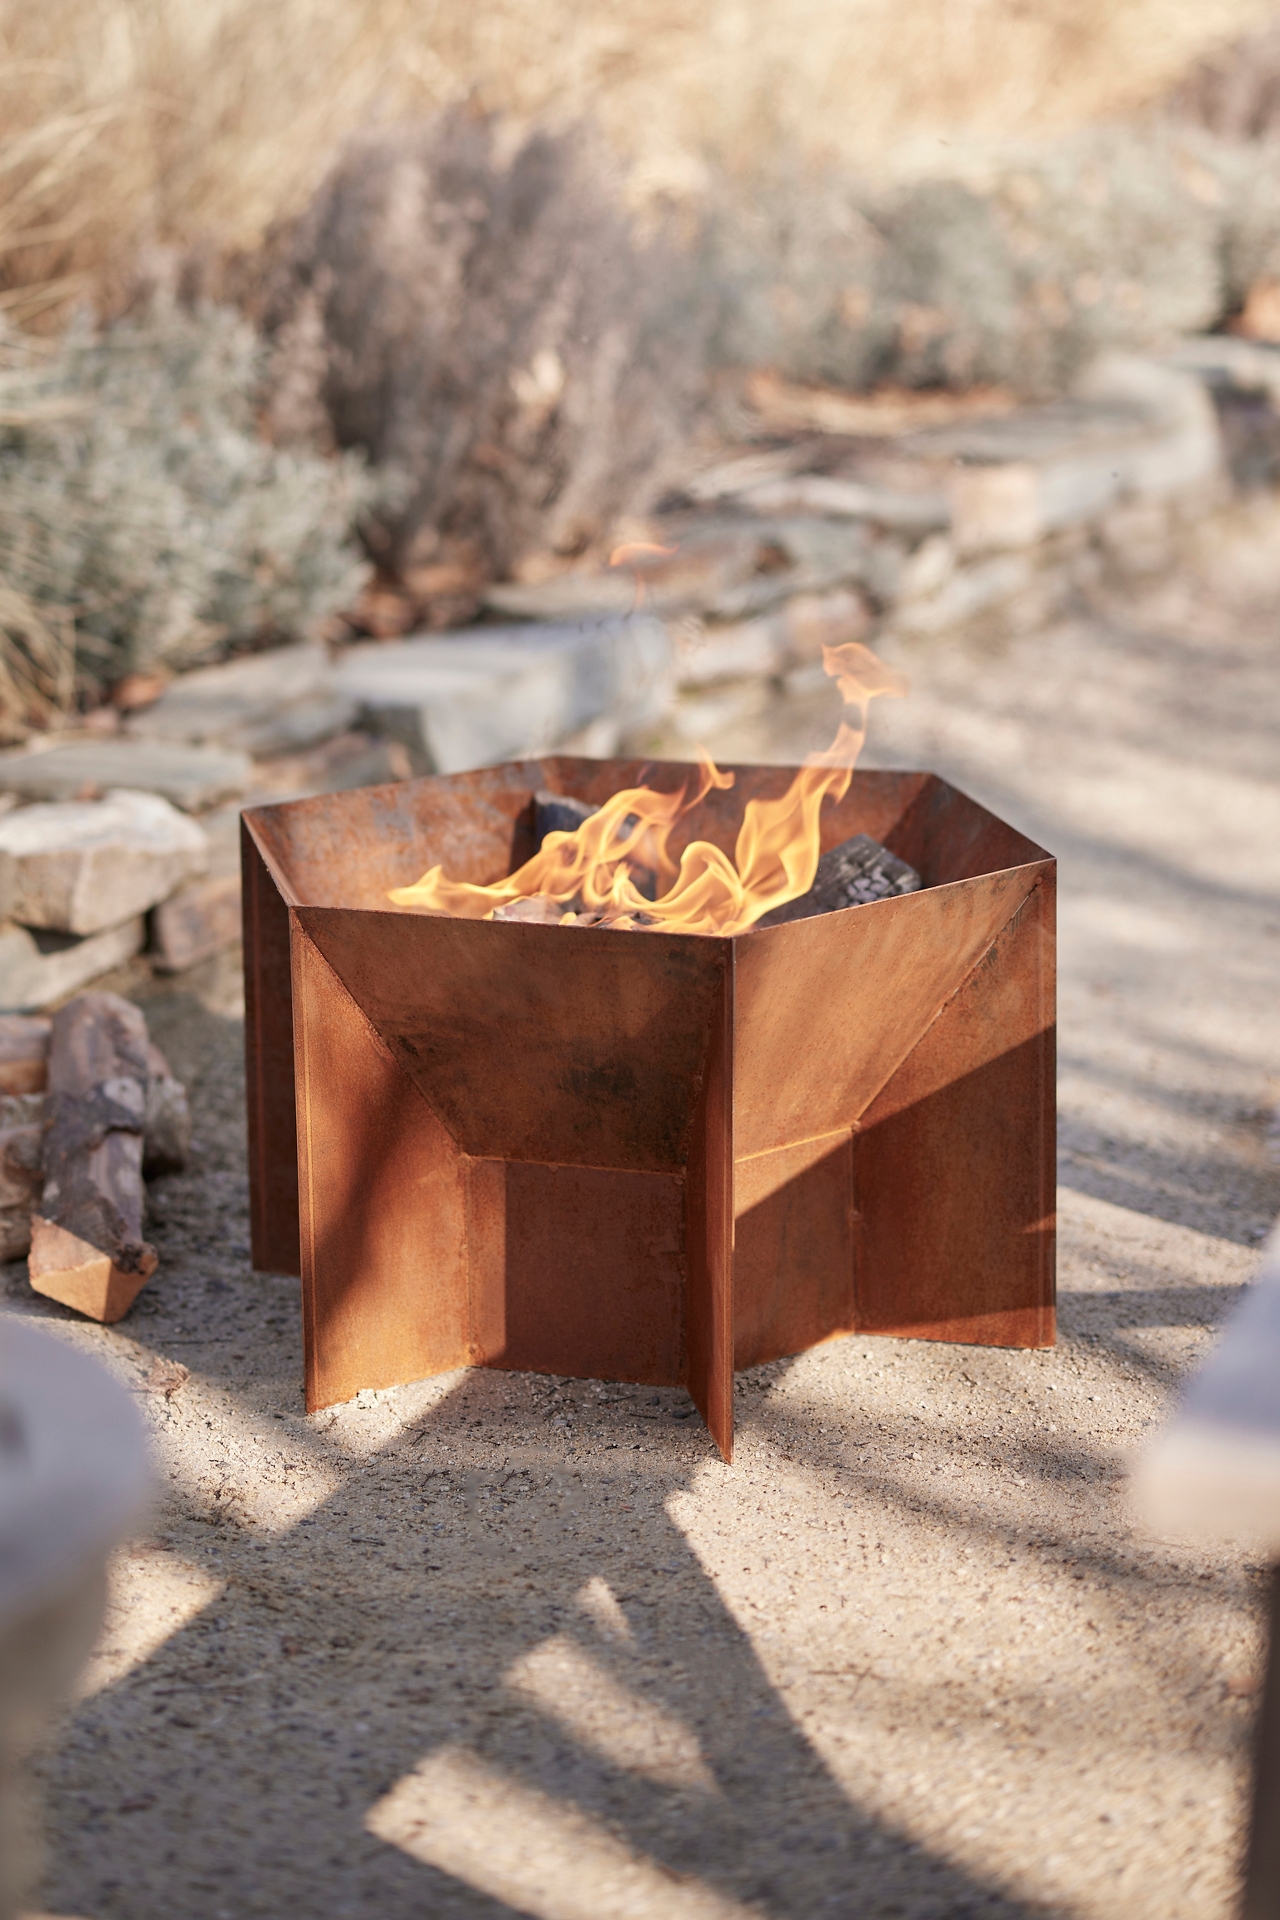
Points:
(644, 1156)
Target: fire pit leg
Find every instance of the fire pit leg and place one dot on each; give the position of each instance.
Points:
(268, 1045)
(385, 1294)
(954, 1162)
(709, 1315)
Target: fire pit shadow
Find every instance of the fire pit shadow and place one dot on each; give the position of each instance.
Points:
(644, 1156)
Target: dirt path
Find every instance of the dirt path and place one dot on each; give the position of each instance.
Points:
(498, 1644)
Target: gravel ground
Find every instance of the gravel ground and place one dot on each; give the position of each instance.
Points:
(509, 1645)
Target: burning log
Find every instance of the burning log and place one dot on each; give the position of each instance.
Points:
(557, 813)
(853, 874)
(87, 1248)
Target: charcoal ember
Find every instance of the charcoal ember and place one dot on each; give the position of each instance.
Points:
(558, 813)
(853, 874)
(538, 908)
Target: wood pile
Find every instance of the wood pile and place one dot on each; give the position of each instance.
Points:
(93, 1110)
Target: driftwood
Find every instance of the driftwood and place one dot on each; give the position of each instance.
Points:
(87, 1248)
(853, 874)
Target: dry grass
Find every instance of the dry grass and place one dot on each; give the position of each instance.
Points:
(180, 122)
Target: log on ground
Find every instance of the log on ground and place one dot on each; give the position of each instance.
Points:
(87, 1249)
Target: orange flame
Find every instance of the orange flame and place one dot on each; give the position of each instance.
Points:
(592, 871)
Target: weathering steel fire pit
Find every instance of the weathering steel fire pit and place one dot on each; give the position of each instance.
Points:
(646, 1156)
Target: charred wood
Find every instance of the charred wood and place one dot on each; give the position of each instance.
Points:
(853, 874)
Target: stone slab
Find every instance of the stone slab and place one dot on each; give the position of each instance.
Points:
(38, 968)
(195, 922)
(468, 699)
(1133, 430)
(282, 701)
(728, 569)
(80, 866)
(191, 777)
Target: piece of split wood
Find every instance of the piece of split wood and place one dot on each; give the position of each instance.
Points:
(87, 1249)
(24, 1053)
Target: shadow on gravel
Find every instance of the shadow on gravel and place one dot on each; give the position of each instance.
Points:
(610, 1743)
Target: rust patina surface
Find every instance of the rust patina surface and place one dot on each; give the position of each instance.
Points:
(644, 1156)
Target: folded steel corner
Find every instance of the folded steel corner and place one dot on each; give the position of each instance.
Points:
(648, 1157)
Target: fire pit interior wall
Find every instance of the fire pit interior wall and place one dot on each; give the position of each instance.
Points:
(644, 1156)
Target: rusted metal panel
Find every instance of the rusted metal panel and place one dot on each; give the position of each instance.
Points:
(587, 1263)
(709, 1222)
(793, 1248)
(384, 1267)
(828, 1008)
(268, 1048)
(549, 1118)
(579, 1048)
(954, 1163)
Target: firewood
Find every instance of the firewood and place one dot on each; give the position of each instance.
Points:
(853, 874)
(24, 1052)
(557, 813)
(21, 1169)
(560, 813)
(87, 1248)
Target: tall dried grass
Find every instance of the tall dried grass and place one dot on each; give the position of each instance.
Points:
(129, 123)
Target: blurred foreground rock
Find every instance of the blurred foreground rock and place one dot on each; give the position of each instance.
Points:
(74, 1477)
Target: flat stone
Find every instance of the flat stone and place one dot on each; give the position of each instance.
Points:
(469, 699)
(980, 587)
(192, 777)
(835, 498)
(82, 866)
(1133, 430)
(278, 702)
(37, 968)
(195, 922)
(726, 569)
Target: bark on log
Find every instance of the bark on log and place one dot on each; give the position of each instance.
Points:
(24, 1051)
(21, 1175)
(87, 1248)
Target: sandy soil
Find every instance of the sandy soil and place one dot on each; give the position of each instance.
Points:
(497, 1644)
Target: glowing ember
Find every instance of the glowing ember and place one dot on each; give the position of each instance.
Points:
(590, 875)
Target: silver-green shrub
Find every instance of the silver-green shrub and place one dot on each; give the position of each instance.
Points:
(144, 518)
